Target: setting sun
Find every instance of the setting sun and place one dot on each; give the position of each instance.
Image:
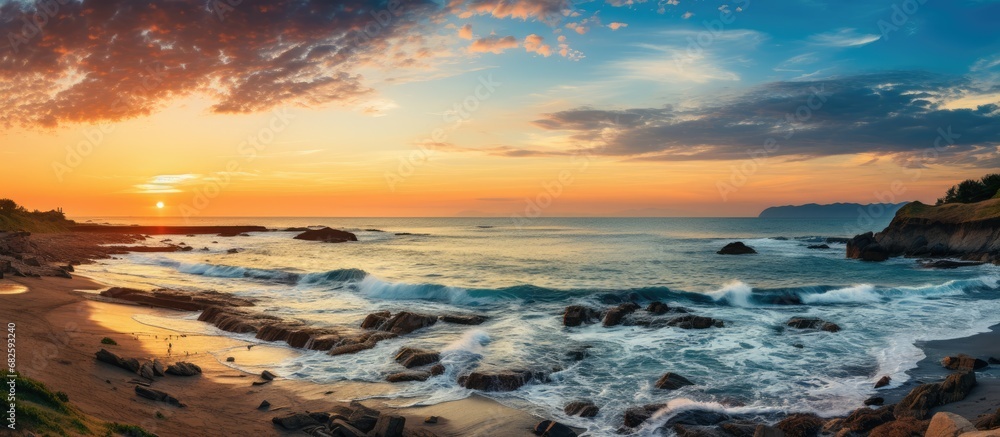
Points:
(159, 205)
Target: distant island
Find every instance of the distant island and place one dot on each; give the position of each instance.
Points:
(832, 211)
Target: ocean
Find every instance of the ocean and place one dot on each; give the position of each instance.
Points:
(523, 275)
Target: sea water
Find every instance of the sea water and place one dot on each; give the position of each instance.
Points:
(523, 275)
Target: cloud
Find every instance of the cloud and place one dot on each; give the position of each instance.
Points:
(465, 32)
(892, 114)
(493, 44)
(615, 25)
(535, 44)
(687, 15)
(162, 184)
(111, 60)
(547, 11)
(846, 37)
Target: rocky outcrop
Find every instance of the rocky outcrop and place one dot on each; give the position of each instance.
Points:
(615, 315)
(864, 420)
(177, 300)
(412, 357)
(989, 421)
(408, 376)
(635, 416)
(157, 395)
(963, 362)
(968, 231)
(672, 381)
(812, 323)
(581, 408)
(130, 364)
(919, 401)
(503, 380)
(473, 319)
(551, 428)
(695, 322)
(800, 425)
(736, 248)
(866, 248)
(576, 315)
(945, 424)
(327, 235)
(182, 368)
(883, 381)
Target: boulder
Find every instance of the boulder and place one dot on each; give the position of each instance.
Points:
(672, 381)
(362, 417)
(864, 420)
(865, 248)
(146, 370)
(883, 381)
(388, 426)
(736, 248)
(407, 322)
(901, 427)
(920, 400)
(472, 319)
(801, 425)
(264, 405)
(158, 368)
(412, 357)
(963, 362)
(294, 421)
(130, 364)
(327, 235)
(375, 320)
(635, 416)
(551, 428)
(812, 323)
(948, 425)
(695, 322)
(874, 401)
(505, 380)
(581, 408)
(182, 368)
(615, 315)
(267, 375)
(658, 308)
(576, 315)
(989, 421)
(157, 396)
(408, 376)
(342, 428)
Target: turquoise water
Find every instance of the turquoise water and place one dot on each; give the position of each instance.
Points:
(523, 275)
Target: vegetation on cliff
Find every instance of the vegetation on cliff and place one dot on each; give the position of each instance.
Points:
(973, 190)
(14, 217)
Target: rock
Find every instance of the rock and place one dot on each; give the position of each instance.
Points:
(389, 426)
(294, 421)
(576, 315)
(812, 323)
(406, 322)
(615, 315)
(672, 381)
(767, 431)
(866, 248)
(635, 416)
(327, 235)
(264, 405)
(267, 375)
(737, 248)
(658, 308)
(506, 380)
(363, 418)
(581, 408)
(948, 425)
(60, 273)
(232, 251)
(431, 419)
(146, 370)
(463, 319)
(993, 361)
(948, 264)
(230, 359)
(883, 381)
(817, 246)
(31, 261)
(182, 368)
(698, 418)
(408, 376)
(738, 429)
(874, 401)
(437, 369)
(157, 396)
(920, 400)
(412, 357)
(864, 420)
(963, 362)
(901, 427)
(130, 364)
(550, 428)
(695, 322)
(801, 425)
(158, 368)
(375, 320)
(342, 428)
(989, 421)
(579, 353)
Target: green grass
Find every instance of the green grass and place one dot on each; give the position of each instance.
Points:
(109, 340)
(115, 429)
(15, 218)
(953, 212)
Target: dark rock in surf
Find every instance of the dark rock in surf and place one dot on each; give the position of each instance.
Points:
(463, 319)
(672, 381)
(921, 400)
(327, 235)
(408, 376)
(736, 248)
(635, 416)
(576, 315)
(948, 264)
(658, 308)
(812, 323)
(375, 320)
(505, 380)
(874, 400)
(581, 408)
(550, 428)
(412, 357)
(615, 315)
(865, 248)
(883, 381)
(963, 362)
(406, 322)
(695, 322)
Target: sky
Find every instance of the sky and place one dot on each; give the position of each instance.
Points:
(492, 107)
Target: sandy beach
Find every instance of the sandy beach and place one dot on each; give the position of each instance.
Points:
(59, 330)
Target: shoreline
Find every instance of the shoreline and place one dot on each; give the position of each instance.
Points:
(59, 330)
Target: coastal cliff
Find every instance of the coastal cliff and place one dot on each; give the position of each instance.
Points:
(969, 231)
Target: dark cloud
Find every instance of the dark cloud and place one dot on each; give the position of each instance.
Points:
(99, 60)
(887, 114)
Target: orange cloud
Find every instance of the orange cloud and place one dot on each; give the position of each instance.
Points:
(465, 32)
(493, 44)
(535, 44)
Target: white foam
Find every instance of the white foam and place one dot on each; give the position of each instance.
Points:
(863, 293)
(736, 293)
